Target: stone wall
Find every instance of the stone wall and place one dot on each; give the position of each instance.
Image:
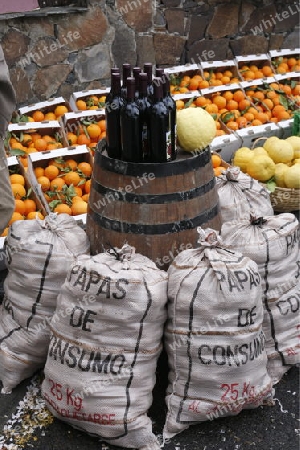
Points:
(58, 54)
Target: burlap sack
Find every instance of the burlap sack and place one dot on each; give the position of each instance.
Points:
(213, 336)
(39, 254)
(273, 243)
(239, 194)
(105, 342)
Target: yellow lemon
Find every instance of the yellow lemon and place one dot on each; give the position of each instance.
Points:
(241, 158)
(195, 129)
(261, 168)
(292, 176)
(295, 143)
(279, 174)
(260, 151)
(280, 151)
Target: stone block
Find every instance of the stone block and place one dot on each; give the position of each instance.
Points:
(276, 41)
(197, 28)
(175, 20)
(93, 63)
(48, 51)
(249, 45)
(168, 48)
(145, 50)
(287, 18)
(292, 39)
(225, 21)
(171, 3)
(124, 45)
(21, 85)
(261, 20)
(246, 11)
(136, 13)
(14, 45)
(208, 50)
(47, 80)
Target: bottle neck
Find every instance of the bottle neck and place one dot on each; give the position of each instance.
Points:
(142, 85)
(148, 71)
(130, 84)
(126, 73)
(116, 84)
(157, 89)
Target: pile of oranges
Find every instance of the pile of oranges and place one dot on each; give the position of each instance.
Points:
(185, 84)
(32, 141)
(25, 205)
(86, 133)
(217, 162)
(66, 185)
(250, 72)
(285, 64)
(256, 106)
(41, 115)
(91, 102)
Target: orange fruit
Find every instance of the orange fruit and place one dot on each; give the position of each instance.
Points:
(85, 168)
(248, 116)
(27, 139)
(85, 197)
(44, 182)
(77, 198)
(216, 160)
(228, 95)
(72, 138)
(232, 125)
(218, 170)
(193, 84)
(238, 95)
(78, 190)
(211, 108)
(57, 184)
(5, 232)
(60, 110)
(16, 178)
(35, 215)
(102, 124)
(232, 104)
(93, 130)
(20, 206)
(63, 208)
(219, 101)
(256, 123)
(51, 172)
(72, 178)
(267, 71)
(15, 216)
(277, 109)
(18, 190)
(79, 207)
(71, 163)
(38, 116)
(267, 104)
(244, 104)
(81, 105)
(17, 146)
(203, 84)
(225, 80)
(242, 122)
(87, 186)
(262, 117)
(39, 171)
(40, 144)
(179, 104)
(50, 116)
(283, 115)
(30, 205)
(83, 140)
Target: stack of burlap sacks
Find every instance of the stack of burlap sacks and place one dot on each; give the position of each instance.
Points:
(226, 312)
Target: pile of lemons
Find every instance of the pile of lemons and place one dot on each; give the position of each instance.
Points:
(277, 159)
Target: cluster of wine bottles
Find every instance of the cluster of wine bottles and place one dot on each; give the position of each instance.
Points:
(140, 115)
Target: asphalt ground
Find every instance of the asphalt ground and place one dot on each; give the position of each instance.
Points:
(25, 422)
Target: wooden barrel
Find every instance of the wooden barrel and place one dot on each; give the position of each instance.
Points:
(156, 208)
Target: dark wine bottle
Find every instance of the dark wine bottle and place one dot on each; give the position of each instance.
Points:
(171, 105)
(159, 72)
(144, 106)
(160, 133)
(112, 71)
(126, 71)
(112, 116)
(130, 126)
(135, 72)
(148, 70)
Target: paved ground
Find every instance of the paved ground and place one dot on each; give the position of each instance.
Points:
(265, 428)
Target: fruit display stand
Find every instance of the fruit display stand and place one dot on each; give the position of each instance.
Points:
(51, 109)
(285, 60)
(220, 72)
(252, 67)
(89, 99)
(75, 122)
(225, 146)
(251, 134)
(14, 167)
(24, 132)
(180, 85)
(78, 153)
